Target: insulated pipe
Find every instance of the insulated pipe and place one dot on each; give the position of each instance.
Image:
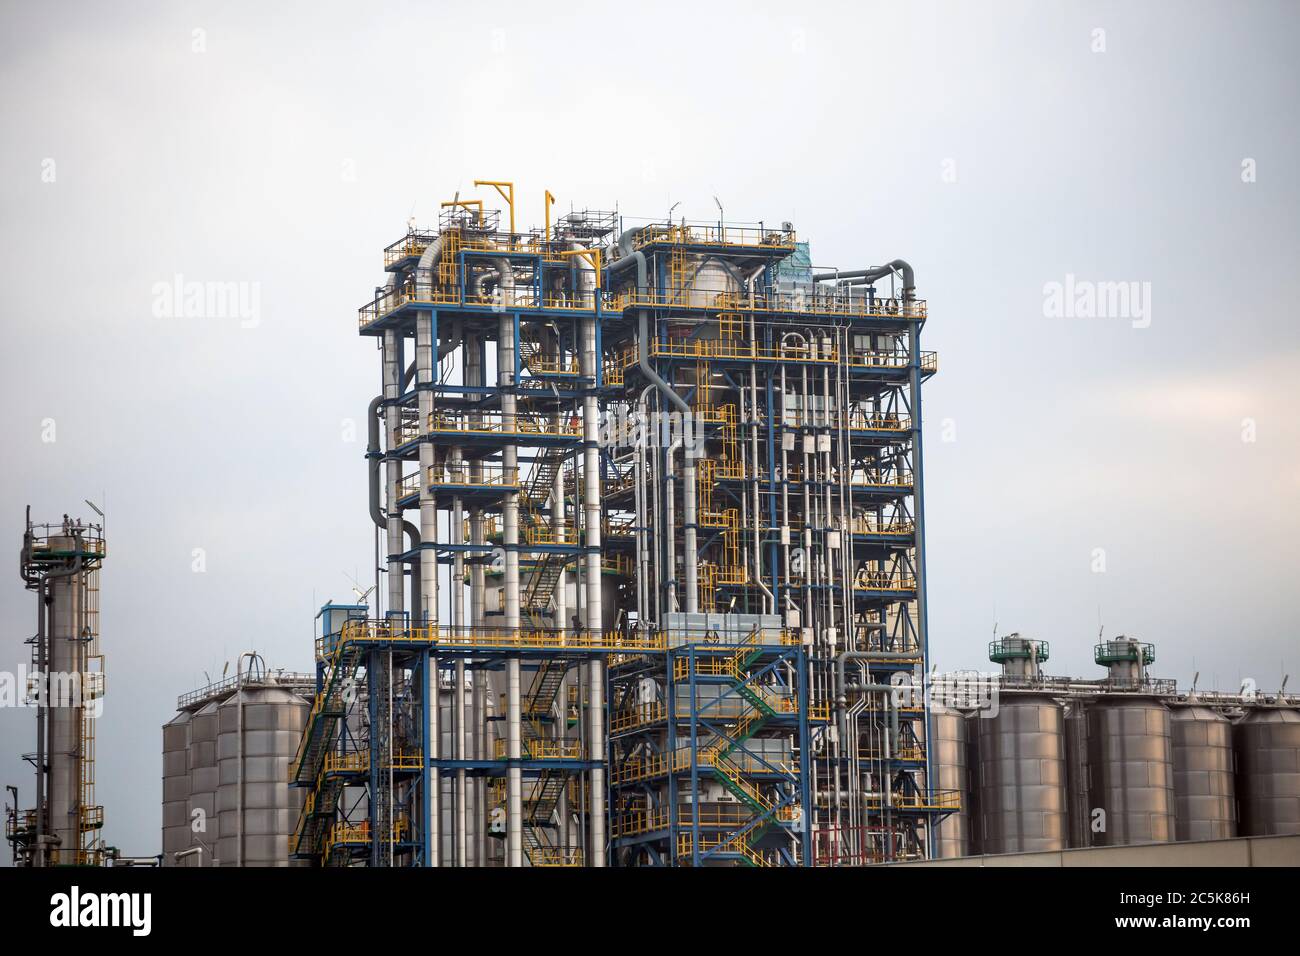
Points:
(428, 557)
(591, 504)
(506, 358)
(473, 377)
(392, 358)
(376, 511)
(424, 269)
(876, 272)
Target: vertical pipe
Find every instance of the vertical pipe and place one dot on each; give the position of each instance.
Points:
(428, 560)
(595, 610)
(507, 356)
(392, 360)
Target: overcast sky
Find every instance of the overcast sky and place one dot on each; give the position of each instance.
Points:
(998, 147)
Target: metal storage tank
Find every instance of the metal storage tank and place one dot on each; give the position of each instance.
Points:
(1205, 795)
(1076, 774)
(1130, 757)
(175, 787)
(254, 752)
(203, 786)
(1268, 771)
(951, 773)
(1021, 775)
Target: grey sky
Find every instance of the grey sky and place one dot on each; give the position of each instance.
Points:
(295, 145)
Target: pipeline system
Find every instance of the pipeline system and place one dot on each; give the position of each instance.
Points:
(667, 577)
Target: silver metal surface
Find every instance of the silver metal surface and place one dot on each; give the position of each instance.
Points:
(253, 756)
(204, 828)
(1205, 793)
(1267, 741)
(948, 757)
(175, 786)
(1130, 756)
(1020, 776)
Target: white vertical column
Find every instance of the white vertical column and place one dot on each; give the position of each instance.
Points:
(392, 360)
(595, 623)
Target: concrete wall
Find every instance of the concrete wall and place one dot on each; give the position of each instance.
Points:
(1243, 851)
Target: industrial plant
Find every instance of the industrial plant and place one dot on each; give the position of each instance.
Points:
(650, 590)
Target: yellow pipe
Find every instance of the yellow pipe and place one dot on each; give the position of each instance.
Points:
(476, 204)
(593, 259)
(549, 200)
(509, 197)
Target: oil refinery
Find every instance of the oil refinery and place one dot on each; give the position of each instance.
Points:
(650, 590)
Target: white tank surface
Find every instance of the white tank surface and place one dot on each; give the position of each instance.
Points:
(259, 732)
(176, 786)
(1131, 766)
(1267, 741)
(709, 280)
(1205, 793)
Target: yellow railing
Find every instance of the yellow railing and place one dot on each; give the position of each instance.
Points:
(639, 716)
(359, 833)
(384, 631)
(490, 424)
(563, 856)
(708, 842)
(884, 581)
(938, 800)
(772, 302)
(359, 761)
(703, 234)
(869, 524)
(494, 475)
(540, 749)
(881, 421)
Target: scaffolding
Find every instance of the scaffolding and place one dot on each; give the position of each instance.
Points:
(665, 573)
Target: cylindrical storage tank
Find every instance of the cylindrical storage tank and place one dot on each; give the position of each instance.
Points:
(1268, 771)
(948, 756)
(1130, 758)
(258, 808)
(1021, 775)
(1205, 793)
(708, 279)
(175, 787)
(203, 824)
(1077, 804)
(609, 585)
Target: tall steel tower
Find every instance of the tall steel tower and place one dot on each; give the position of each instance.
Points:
(60, 564)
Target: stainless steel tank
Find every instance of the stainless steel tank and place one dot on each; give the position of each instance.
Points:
(948, 756)
(1268, 771)
(1205, 794)
(176, 787)
(1077, 803)
(203, 824)
(1020, 775)
(258, 810)
(707, 279)
(1130, 757)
